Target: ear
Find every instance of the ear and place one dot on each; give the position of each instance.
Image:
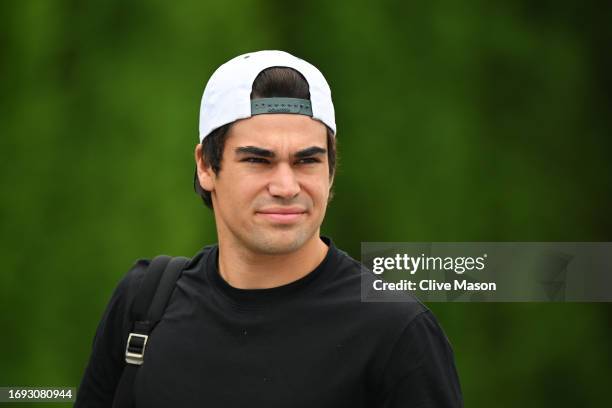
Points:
(206, 175)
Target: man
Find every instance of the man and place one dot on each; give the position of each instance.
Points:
(272, 316)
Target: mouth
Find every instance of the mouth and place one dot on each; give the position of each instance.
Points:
(282, 215)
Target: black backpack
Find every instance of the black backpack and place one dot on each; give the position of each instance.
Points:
(146, 311)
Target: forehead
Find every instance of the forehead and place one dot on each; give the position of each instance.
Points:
(278, 131)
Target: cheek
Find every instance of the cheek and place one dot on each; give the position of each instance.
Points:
(239, 191)
(318, 192)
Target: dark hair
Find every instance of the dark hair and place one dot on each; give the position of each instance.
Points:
(271, 82)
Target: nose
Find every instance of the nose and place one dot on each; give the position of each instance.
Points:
(284, 183)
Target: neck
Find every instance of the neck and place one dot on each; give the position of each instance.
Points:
(244, 269)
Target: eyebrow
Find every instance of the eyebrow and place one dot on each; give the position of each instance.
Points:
(254, 150)
(310, 151)
(258, 151)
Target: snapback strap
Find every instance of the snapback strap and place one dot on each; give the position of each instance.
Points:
(281, 105)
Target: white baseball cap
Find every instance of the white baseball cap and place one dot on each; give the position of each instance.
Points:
(227, 96)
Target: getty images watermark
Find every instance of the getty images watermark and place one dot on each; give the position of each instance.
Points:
(487, 271)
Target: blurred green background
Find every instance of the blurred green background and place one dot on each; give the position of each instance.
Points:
(457, 121)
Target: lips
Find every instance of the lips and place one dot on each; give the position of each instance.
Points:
(282, 215)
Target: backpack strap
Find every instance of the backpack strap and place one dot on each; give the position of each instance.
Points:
(148, 307)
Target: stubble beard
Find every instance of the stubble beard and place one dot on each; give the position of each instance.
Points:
(277, 240)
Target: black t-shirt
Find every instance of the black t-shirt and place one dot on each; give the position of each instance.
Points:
(310, 343)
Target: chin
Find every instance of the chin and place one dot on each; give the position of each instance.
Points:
(278, 242)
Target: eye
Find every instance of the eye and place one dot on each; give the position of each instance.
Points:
(308, 160)
(254, 160)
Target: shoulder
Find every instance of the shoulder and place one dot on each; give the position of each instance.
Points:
(134, 276)
(384, 317)
(356, 277)
(130, 285)
(132, 279)
(397, 325)
(124, 293)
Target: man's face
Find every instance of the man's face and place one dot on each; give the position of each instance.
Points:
(272, 191)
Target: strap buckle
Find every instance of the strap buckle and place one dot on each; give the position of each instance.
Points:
(135, 348)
